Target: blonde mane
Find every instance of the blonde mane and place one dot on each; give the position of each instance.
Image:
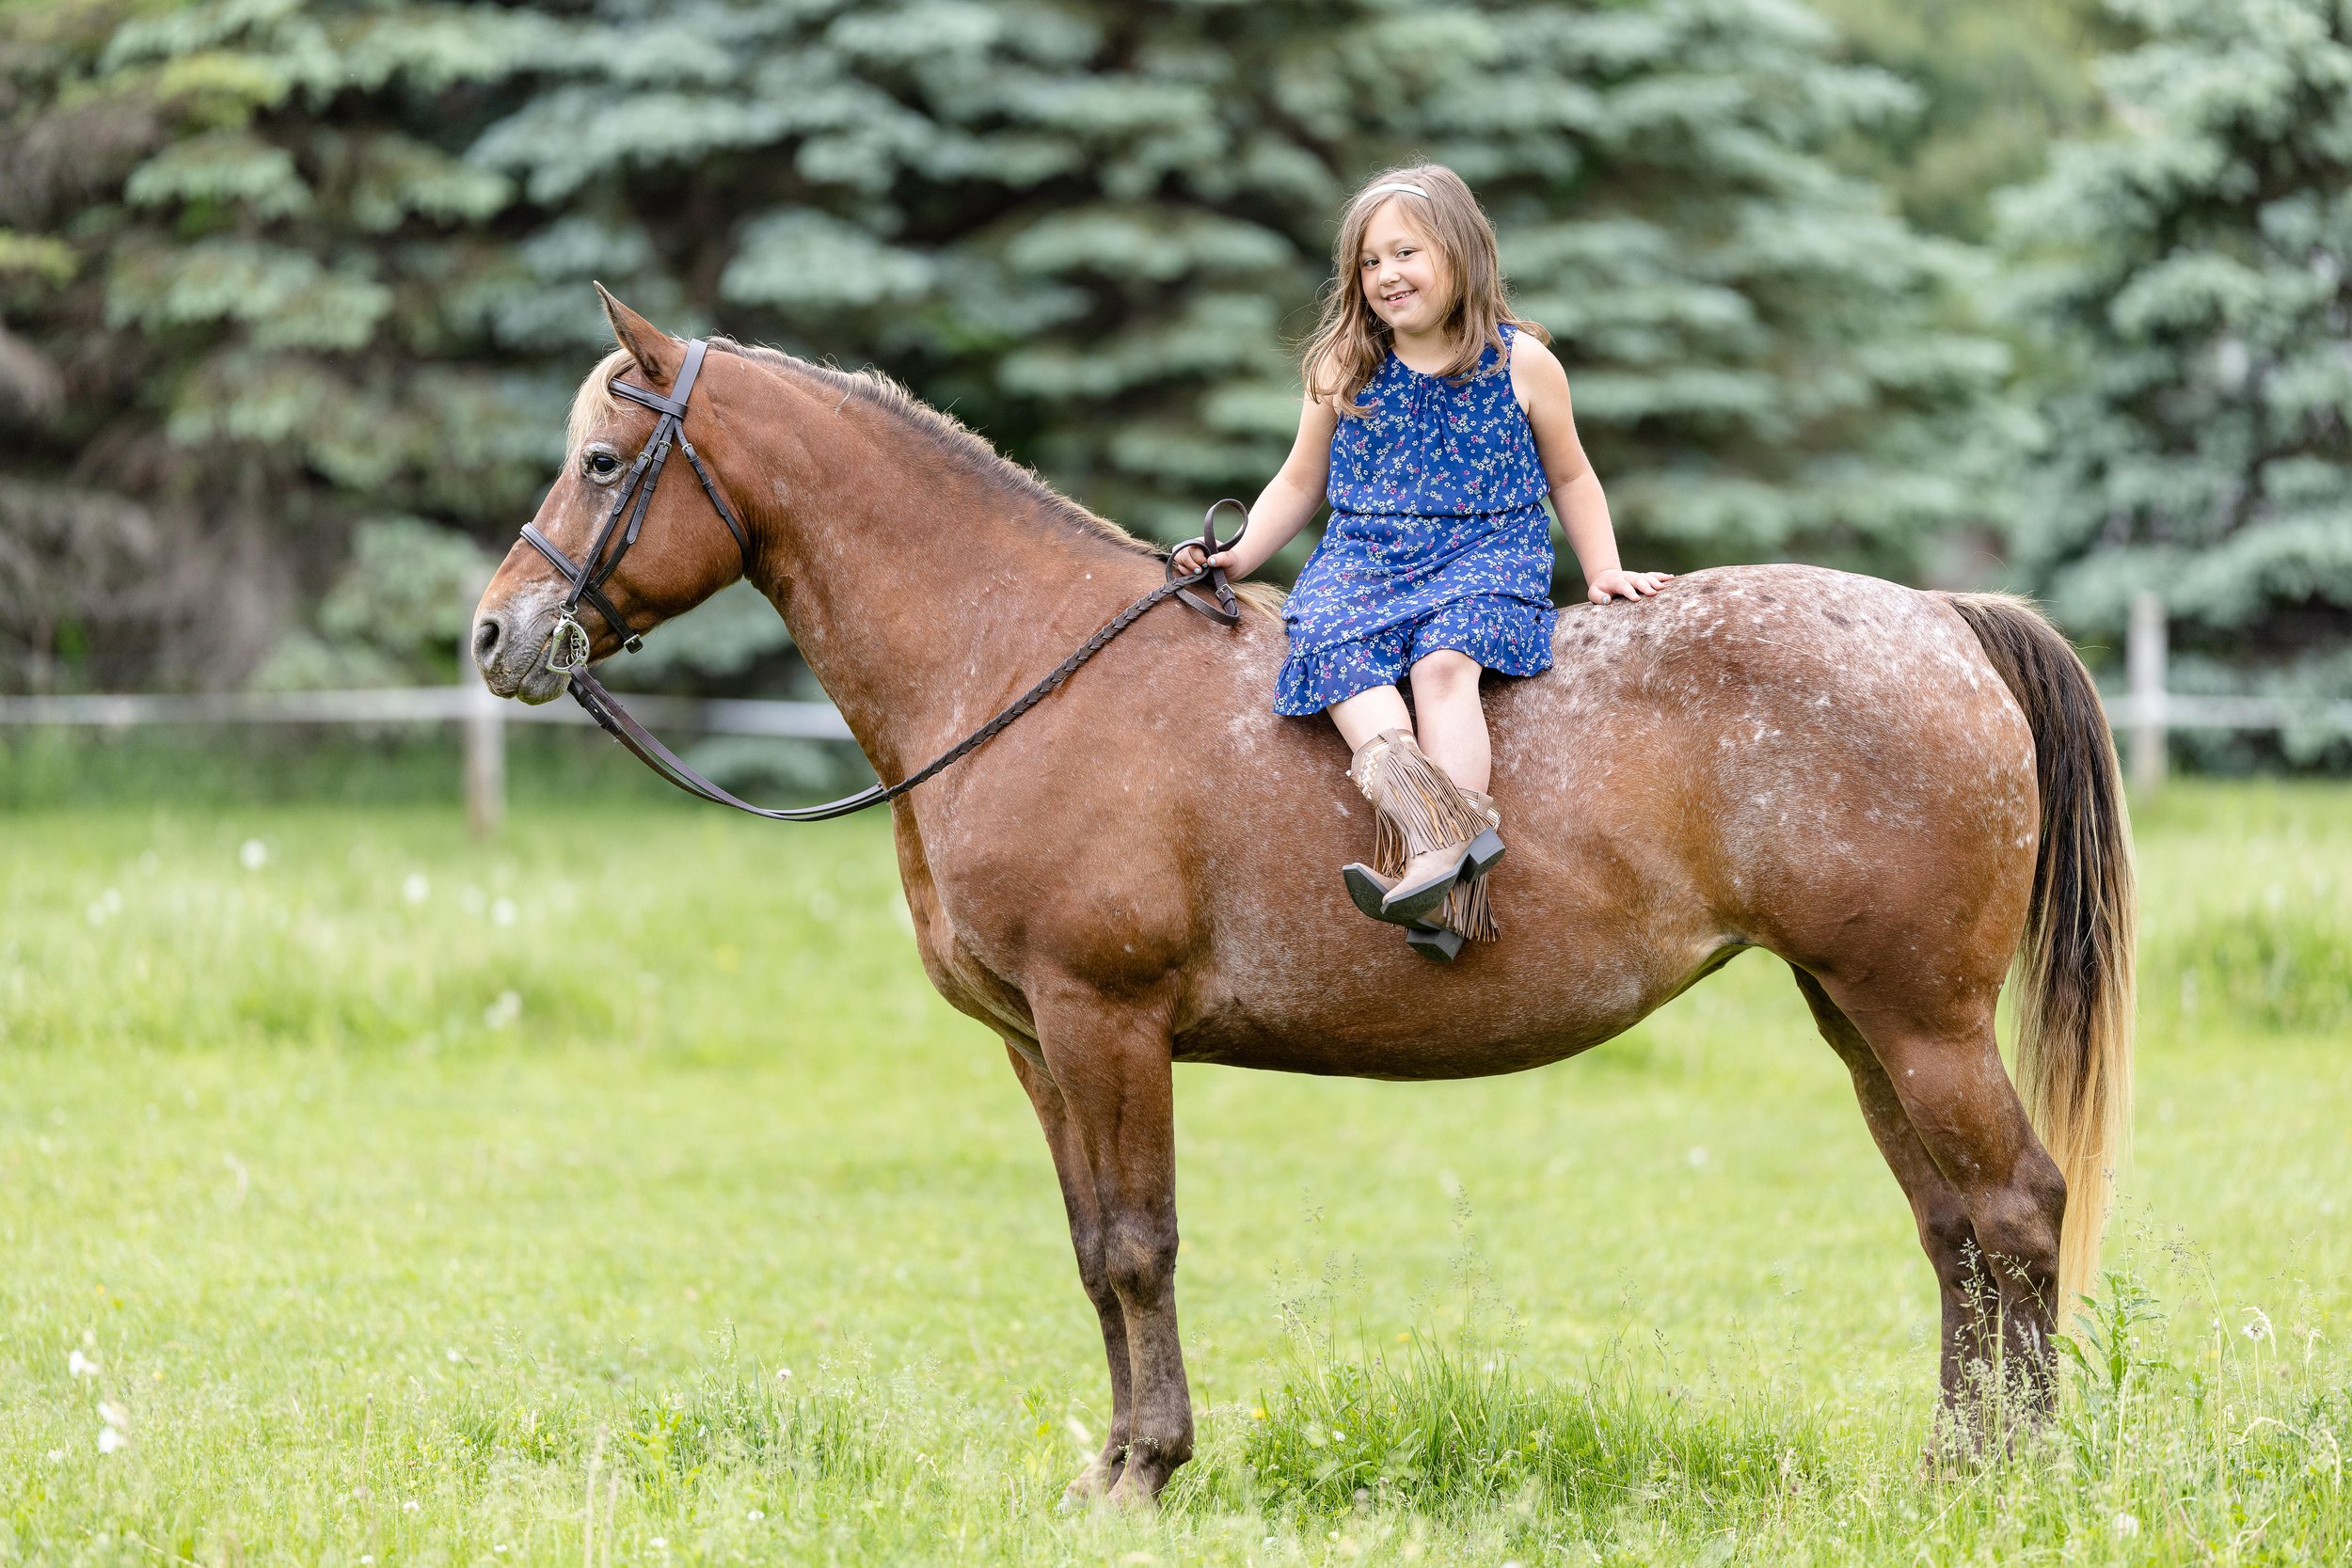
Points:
(964, 448)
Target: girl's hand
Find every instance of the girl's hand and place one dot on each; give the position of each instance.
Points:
(1187, 559)
(1623, 584)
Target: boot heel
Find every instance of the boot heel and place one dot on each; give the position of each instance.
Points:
(1484, 850)
(1434, 943)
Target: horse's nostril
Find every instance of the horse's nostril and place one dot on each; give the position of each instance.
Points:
(485, 640)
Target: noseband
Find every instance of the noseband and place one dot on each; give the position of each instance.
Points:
(568, 644)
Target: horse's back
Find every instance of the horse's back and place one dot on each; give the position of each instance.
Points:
(1812, 745)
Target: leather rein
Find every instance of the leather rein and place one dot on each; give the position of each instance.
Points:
(568, 644)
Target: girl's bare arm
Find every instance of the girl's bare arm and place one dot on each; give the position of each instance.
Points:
(1542, 387)
(1287, 505)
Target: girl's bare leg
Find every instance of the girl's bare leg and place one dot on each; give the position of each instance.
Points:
(1452, 727)
(1369, 714)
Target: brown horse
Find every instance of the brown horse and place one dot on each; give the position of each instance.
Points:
(1900, 793)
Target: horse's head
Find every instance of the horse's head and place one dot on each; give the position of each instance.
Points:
(649, 551)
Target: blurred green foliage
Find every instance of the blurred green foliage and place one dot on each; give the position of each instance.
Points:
(276, 271)
(1997, 80)
(2183, 275)
(293, 292)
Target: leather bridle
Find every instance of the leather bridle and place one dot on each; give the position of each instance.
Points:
(568, 644)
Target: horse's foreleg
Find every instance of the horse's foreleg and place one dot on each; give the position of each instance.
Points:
(1944, 1233)
(1944, 1066)
(1112, 1064)
(1086, 1237)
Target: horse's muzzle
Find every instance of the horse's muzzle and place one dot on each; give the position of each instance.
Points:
(510, 647)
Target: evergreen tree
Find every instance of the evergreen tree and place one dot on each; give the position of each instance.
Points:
(285, 274)
(242, 243)
(1998, 82)
(2186, 272)
(1096, 229)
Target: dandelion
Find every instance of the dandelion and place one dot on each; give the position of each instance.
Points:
(409, 1506)
(502, 912)
(253, 854)
(105, 906)
(502, 1012)
(55, 1455)
(1698, 1156)
(454, 1354)
(783, 1374)
(78, 1365)
(659, 1543)
(755, 1516)
(415, 887)
(366, 1557)
(2126, 1525)
(116, 1434)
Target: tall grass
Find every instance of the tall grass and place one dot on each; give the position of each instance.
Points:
(623, 1194)
(2187, 1429)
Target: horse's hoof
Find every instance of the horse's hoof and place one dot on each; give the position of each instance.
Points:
(1090, 1486)
(1133, 1496)
(1435, 943)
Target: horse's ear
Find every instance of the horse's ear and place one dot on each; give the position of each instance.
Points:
(658, 354)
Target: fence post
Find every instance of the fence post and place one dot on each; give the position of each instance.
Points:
(2144, 660)
(485, 726)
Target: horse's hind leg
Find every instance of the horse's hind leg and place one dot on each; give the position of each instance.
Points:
(1086, 1237)
(1944, 1233)
(1988, 1199)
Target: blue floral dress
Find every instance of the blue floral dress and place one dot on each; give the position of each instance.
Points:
(1438, 539)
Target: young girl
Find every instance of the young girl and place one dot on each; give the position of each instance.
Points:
(1436, 421)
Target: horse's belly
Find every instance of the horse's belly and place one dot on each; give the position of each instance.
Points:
(1499, 1008)
(1409, 1061)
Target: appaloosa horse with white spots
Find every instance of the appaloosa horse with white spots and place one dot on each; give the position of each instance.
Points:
(1899, 793)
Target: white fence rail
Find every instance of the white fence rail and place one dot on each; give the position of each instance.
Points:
(470, 703)
(417, 705)
(2143, 716)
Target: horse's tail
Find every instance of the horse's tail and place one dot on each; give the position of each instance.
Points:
(2074, 972)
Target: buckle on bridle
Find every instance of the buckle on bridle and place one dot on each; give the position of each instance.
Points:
(568, 646)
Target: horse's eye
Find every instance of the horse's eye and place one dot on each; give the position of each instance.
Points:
(600, 464)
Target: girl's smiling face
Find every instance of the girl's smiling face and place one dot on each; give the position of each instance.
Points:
(1404, 276)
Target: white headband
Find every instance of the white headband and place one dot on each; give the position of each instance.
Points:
(1415, 189)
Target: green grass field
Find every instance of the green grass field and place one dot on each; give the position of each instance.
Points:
(621, 1193)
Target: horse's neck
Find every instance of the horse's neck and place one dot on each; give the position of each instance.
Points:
(923, 597)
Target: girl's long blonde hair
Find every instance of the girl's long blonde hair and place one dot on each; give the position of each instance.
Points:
(1350, 343)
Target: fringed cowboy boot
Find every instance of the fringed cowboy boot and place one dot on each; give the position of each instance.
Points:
(1467, 913)
(1428, 834)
